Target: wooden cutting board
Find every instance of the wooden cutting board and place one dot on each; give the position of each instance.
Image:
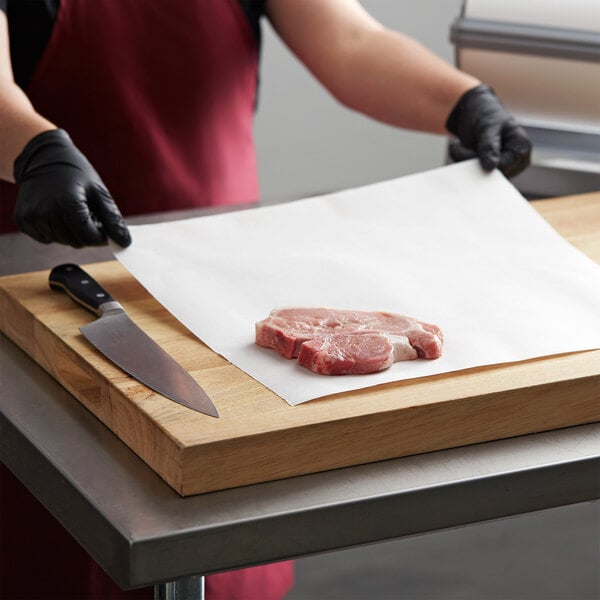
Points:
(259, 437)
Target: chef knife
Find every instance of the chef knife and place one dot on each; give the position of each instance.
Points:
(126, 345)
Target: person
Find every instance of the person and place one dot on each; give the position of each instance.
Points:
(120, 107)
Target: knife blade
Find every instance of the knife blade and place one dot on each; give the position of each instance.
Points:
(116, 336)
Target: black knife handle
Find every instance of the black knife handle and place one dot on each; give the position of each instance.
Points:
(83, 288)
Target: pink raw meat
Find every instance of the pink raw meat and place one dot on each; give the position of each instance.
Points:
(340, 342)
(354, 353)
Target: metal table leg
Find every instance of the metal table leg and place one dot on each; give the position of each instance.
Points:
(189, 588)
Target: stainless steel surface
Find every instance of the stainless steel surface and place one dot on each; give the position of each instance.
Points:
(563, 162)
(142, 532)
(130, 348)
(190, 588)
(520, 38)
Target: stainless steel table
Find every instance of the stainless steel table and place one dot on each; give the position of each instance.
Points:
(142, 533)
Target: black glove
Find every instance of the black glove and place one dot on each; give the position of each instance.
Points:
(61, 198)
(485, 129)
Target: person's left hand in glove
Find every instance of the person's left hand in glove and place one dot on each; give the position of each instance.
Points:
(486, 130)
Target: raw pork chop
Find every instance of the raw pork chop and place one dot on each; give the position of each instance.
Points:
(354, 353)
(341, 342)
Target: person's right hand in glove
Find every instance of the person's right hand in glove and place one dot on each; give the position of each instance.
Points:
(486, 130)
(61, 197)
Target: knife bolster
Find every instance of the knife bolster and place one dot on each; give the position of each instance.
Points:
(108, 307)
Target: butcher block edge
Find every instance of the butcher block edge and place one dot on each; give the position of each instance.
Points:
(259, 437)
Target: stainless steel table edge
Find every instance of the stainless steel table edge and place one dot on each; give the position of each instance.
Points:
(361, 522)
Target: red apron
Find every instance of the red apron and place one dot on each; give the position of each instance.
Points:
(159, 95)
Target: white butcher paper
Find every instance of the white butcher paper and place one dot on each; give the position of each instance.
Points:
(455, 246)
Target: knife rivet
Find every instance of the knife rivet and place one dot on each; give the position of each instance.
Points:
(85, 281)
(100, 295)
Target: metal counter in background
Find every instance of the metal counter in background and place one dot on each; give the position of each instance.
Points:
(543, 61)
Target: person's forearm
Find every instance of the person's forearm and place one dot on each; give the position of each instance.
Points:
(396, 80)
(18, 120)
(367, 67)
(18, 124)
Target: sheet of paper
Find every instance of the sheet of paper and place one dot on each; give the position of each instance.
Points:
(454, 246)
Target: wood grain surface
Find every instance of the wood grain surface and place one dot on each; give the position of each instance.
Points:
(258, 436)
